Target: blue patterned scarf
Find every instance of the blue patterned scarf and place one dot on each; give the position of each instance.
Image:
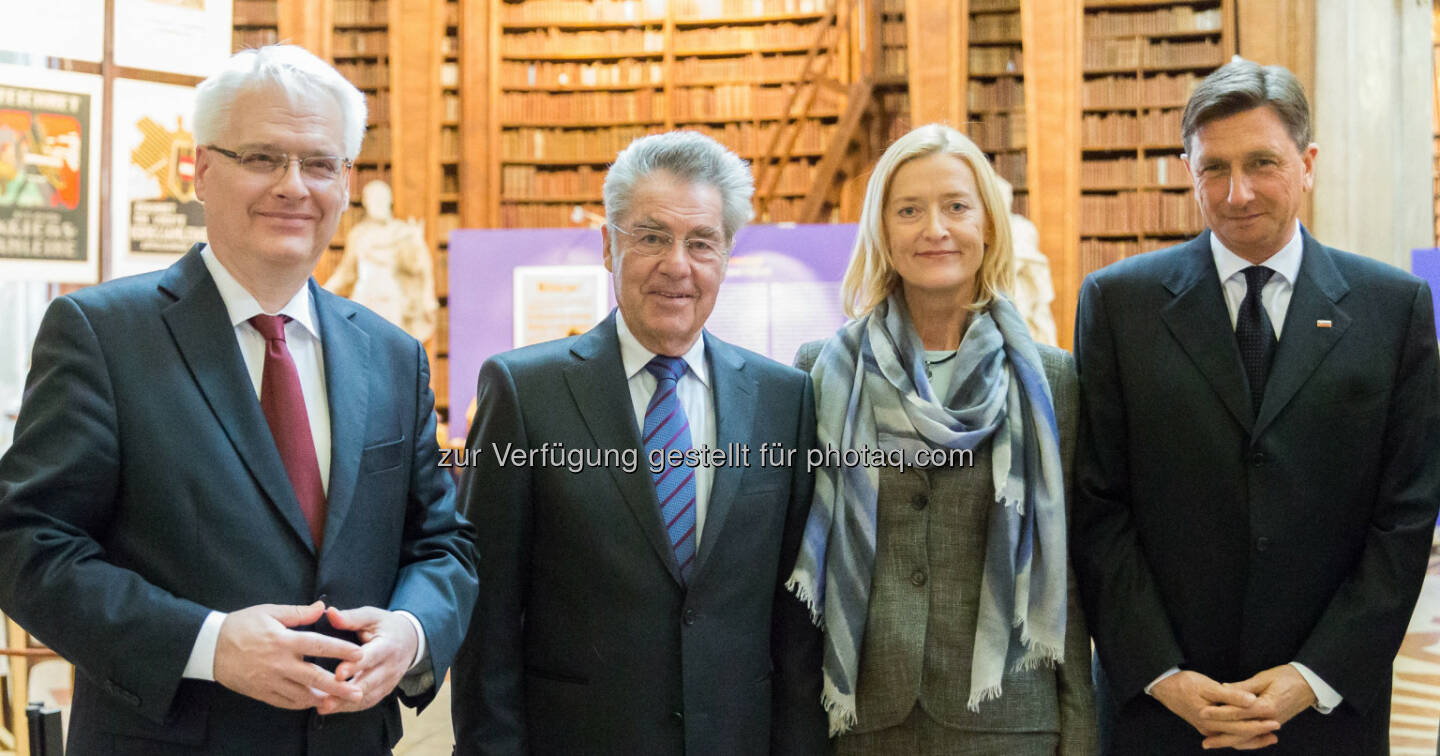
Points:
(872, 392)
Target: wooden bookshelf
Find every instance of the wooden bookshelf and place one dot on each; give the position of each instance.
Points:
(995, 95)
(1141, 60)
(255, 23)
(575, 81)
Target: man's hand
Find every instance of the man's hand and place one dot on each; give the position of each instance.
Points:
(390, 646)
(258, 655)
(1222, 713)
(1281, 693)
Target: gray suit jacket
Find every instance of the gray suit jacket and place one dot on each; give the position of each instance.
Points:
(584, 640)
(931, 527)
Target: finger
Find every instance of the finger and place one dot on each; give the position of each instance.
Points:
(1238, 731)
(1261, 709)
(319, 678)
(290, 694)
(291, 615)
(1232, 694)
(1236, 741)
(1264, 741)
(325, 647)
(353, 619)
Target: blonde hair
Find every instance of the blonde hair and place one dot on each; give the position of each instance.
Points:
(871, 277)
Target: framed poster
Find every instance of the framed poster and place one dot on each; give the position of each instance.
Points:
(154, 215)
(73, 29)
(49, 175)
(181, 36)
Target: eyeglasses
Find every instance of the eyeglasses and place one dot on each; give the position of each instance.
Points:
(652, 242)
(317, 170)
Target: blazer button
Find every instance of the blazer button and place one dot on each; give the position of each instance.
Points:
(919, 501)
(678, 716)
(1262, 543)
(1258, 458)
(688, 617)
(918, 577)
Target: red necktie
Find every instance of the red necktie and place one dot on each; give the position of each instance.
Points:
(284, 406)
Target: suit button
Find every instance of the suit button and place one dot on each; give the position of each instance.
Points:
(918, 577)
(688, 617)
(919, 501)
(677, 716)
(1262, 543)
(1258, 458)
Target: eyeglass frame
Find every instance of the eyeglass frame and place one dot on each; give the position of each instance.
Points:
(238, 157)
(722, 250)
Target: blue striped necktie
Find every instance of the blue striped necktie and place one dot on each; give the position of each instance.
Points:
(666, 429)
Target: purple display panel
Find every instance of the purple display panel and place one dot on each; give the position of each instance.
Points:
(1425, 263)
(782, 289)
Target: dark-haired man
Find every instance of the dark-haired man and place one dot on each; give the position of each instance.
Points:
(1257, 477)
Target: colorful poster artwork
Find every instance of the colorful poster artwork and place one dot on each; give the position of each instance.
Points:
(49, 171)
(154, 214)
(47, 157)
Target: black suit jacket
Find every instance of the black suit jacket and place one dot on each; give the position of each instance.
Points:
(584, 640)
(144, 490)
(1214, 540)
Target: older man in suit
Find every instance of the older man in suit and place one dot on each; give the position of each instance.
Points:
(224, 482)
(1257, 479)
(632, 605)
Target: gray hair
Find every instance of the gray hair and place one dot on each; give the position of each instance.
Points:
(690, 156)
(1242, 85)
(294, 71)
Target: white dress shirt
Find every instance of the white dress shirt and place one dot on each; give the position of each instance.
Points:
(1275, 298)
(302, 337)
(696, 396)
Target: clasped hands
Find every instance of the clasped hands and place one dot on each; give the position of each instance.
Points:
(1243, 715)
(259, 654)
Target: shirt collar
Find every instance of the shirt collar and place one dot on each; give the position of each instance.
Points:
(634, 356)
(242, 306)
(1285, 263)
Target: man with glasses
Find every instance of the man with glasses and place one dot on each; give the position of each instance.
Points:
(222, 503)
(639, 609)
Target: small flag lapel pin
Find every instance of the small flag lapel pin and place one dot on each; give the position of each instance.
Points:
(1322, 324)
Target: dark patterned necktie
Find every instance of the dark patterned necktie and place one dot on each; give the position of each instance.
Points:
(666, 429)
(284, 406)
(1254, 334)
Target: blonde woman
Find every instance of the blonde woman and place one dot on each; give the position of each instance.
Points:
(951, 622)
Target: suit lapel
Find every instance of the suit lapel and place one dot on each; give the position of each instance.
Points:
(1200, 322)
(734, 392)
(1303, 344)
(347, 354)
(598, 384)
(200, 325)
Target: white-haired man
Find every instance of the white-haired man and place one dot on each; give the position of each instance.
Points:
(222, 502)
(638, 608)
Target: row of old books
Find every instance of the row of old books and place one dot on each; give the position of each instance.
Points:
(750, 37)
(538, 182)
(256, 12)
(577, 108)
(561, 74)
(707, 9)
(1004, 92)
(1180, 18)
(997, 131)
(990, 61)
(1108, 53)
(360, 12)
(1137, 91)
(1153, 129)
(541, 42)
(767, 68)
(365, 74)
(361, 42)
(1148, 213)
(1159, 170)
(560, 11)
(750, 141)
(543, 216)
(377, 106)
(242, 38)
(1097, 253)
(579, 145)
(995, 27)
